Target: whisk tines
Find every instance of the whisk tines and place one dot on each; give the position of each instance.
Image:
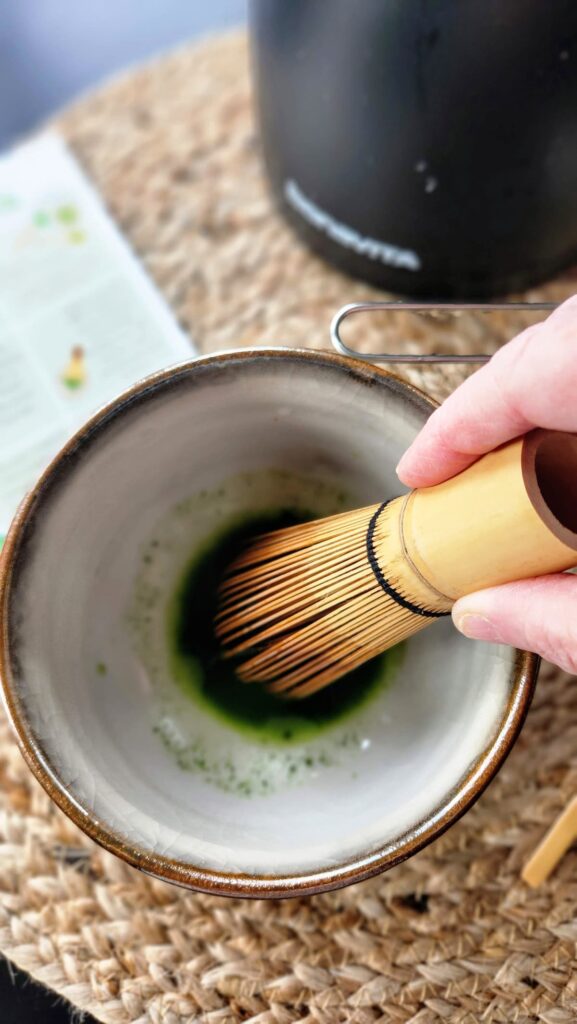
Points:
(300, 607)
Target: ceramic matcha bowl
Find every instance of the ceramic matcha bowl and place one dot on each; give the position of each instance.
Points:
(97, 691)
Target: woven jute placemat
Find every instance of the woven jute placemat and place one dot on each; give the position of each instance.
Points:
(453, 934)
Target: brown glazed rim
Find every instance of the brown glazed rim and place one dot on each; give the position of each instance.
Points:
(523, 676)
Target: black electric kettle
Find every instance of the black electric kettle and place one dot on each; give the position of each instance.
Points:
(427, 146)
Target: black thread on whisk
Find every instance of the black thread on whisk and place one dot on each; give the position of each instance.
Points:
(383, 582)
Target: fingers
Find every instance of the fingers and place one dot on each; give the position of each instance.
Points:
(537, 615)
(530, 382)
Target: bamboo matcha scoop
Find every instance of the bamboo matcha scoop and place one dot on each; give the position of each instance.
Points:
(303, 606)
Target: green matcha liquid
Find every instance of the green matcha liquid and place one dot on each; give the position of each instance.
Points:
(200, 669)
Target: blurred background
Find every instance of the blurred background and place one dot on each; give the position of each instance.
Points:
(52, 50)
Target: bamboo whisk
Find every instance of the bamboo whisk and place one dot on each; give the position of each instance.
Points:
(302, 606)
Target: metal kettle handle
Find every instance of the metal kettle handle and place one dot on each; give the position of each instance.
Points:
(424, 307)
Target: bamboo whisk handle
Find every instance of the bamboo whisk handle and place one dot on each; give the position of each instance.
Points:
(305, 605)
(511, 515)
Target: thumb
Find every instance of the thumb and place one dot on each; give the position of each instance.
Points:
(537, 615)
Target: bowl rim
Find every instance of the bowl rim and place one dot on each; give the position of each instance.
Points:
(522, 675)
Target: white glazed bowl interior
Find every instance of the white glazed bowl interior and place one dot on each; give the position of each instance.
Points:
(432, 735)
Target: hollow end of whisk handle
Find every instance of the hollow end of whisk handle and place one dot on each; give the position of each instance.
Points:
(549, 466)
(511, 515)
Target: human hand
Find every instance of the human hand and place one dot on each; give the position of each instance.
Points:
(530, 382)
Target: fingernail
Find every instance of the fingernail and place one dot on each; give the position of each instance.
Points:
(477, 627)
(402, 462)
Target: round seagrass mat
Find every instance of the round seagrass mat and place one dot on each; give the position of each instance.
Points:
(452, 935)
